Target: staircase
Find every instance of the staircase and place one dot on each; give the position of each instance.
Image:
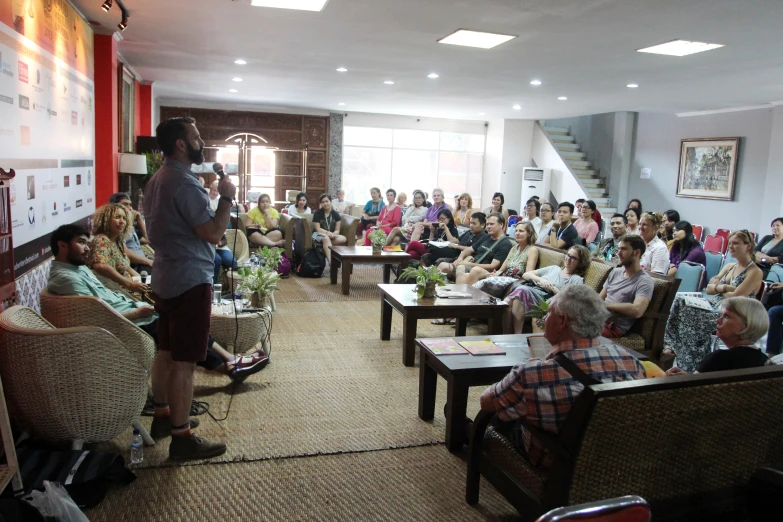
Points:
(571, 154)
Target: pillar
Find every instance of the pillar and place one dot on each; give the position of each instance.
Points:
(106, 118)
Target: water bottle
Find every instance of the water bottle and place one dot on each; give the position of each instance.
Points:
(217, 289)
(137, 448)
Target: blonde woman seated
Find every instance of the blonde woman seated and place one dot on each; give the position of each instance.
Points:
(262, 223)
(414, 214)
(326, 225)
(689, 329)
(540, 285)
(656, 255)
(111, 227)
(522, 258)
(462, 211)
(402, 201)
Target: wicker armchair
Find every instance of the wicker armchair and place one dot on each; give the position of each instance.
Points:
(304, 229)
(689, 445)
(237, 242)
(78, 384)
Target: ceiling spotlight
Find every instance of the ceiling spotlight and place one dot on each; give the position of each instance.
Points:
(122, 25)
(433, 75)
(517, 107)
(240, 61)
(535, 82)
(389, 82)
(107, 5)
(341, 104)
(632, 85)
(237, 79)
(233, 90)
(342, 69)
(562, 98)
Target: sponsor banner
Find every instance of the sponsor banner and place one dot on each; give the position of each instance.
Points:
(35, 252)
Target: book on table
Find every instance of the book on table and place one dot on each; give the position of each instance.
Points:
(539, 347)
(392, 248)
(448, 293)
(485, 347)
(443, 346)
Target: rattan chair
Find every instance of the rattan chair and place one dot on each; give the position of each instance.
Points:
(237, 242)
(78, 384)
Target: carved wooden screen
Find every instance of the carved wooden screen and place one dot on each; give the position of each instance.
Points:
(285, 131)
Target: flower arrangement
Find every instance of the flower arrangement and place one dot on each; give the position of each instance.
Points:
(377, 238)
(258, 280)
(427, 278)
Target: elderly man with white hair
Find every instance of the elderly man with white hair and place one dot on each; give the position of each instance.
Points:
(543, 392)
(338, 203)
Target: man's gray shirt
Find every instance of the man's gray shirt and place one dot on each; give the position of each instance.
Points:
(175, 204)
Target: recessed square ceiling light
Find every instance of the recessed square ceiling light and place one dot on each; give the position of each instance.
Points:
(240, 61)
(237, 79)
(341, 104)
(432, 76)
(233, 90)
(632, 85)
(302, 5)
(341, 69)
(680, 48)
(562, 98)
(535, 82)
(517, 107)
(389, 82)
(475, 39)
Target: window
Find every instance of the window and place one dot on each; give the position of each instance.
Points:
(127, 133)
(411, 159)
(261, 170)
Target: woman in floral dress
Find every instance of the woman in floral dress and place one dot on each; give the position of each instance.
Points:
(522, 258)
(107, 248)
(689, 329)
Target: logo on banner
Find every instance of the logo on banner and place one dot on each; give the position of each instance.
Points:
(5, 67)
(78, 203)
(54, 209)
(6, 132)
(31, 216)
(44, 207)
(89, 179)
(30, 187)
(24, 135)
(52, 114)
(66, 208)
(66, 181)
(78, 179)
(38, 76)
(6, 99)
(24, 102)
(89, 200)
(38, 107)
(74, 118)
(23, 72)
(13, 192)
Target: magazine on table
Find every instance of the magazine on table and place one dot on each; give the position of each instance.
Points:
(443, 346)
(485, 347)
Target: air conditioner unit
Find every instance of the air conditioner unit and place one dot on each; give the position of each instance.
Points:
(535, 182)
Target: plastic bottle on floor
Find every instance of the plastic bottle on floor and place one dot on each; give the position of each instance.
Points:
(137, 448)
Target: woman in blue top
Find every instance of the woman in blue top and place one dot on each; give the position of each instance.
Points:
(370, 211)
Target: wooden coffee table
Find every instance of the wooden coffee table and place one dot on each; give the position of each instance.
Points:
(465, 370)
(347, 256)
(404, 300)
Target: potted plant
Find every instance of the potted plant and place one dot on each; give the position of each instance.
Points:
(427, 278)
(260, 282)
(538, 313)
(270, 257)
(377, 240)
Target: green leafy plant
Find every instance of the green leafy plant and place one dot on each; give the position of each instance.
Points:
(539, 312)
(377, 237)
(258, 280)
(154, 162)
(270, 257)
(424, 275)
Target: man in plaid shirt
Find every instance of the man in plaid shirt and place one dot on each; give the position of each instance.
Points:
(542, 392)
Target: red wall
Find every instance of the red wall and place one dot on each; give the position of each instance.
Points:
(144, 104)
(106, 118)
(137, 109)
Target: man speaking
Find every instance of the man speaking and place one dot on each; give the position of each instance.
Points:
(183, 231)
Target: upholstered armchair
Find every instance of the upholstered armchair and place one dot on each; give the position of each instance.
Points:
(81, 384)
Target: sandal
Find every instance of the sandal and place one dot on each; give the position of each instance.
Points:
(439, 321)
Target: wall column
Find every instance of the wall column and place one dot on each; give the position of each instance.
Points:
(106, 118)
(622, 151)
(335, 166)
(145, 109)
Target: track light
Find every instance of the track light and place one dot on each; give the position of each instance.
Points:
(122, 25)
(107, 5)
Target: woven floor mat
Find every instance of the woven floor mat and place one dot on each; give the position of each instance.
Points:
(364, 286)
(426, 483)
(332, 387)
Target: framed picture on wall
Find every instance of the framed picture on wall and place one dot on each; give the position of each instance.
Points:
(708, 168)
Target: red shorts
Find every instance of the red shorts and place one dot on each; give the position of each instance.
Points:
(183, 325)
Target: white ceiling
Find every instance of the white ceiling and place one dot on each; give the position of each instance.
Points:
(582, 49)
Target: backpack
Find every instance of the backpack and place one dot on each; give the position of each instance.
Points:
(311, 264)
(284, 268)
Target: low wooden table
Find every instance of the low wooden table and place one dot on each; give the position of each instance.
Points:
(404, 300)
(465, 370)
(347, 256)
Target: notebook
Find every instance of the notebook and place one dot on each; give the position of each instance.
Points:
(443, 346)
(485, 347)
(447, 293)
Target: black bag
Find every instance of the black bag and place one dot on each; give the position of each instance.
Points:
(311, 264)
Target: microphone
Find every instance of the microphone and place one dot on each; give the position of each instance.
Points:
(218, 168)
(143, 276)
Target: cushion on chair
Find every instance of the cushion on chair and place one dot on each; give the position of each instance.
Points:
(596, 274)
(548, 257)
(642, 330)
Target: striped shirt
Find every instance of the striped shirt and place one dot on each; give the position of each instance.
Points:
(543, 392)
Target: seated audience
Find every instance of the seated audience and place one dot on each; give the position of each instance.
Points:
(111, 226)
(338, 203)
(522, 258)
(688, 329)
(299, 208)
(139, 260)
(635, 203)
(370, 211)
(770, 249)
(656, 255)
(632, 221)
(742, 322)
(433, 211)
(547, 214)
(488, 256)
(666, 233)
(497, 206)
(462, 209)
(531, 212)
(607, 249)
(563, 232)
(684, 247)
(414, 214)
(775, 336)
(443, 257)
(263, 224)
(214, 196)
(224, 258)
(442, 230)
(586, 226)
(578, 204)
(69, 276)
(628, 290)
(548, 281)
(402, 200)
(542, 392)
(389, 218)
(326, 227)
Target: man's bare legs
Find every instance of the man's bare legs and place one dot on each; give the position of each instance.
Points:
(180, 391)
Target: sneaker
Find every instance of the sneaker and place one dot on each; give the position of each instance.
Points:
(194, 447)
(161, 427)
(247, 367)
